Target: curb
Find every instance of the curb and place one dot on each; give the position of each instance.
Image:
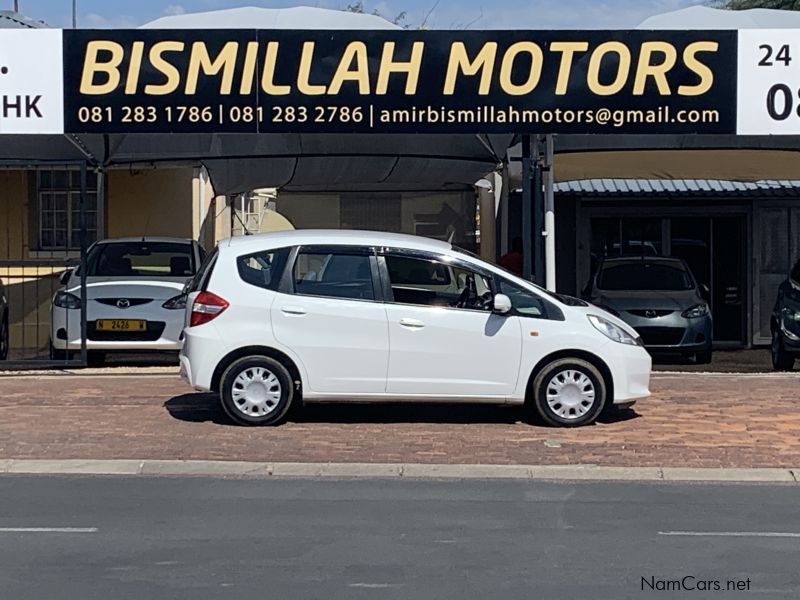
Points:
(219, 468)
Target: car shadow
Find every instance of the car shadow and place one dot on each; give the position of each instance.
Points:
(202, 408)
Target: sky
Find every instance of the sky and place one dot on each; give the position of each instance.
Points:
(436, 14)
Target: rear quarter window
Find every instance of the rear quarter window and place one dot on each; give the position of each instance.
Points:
(263, 269)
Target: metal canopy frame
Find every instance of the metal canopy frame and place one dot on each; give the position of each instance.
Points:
(81, 359)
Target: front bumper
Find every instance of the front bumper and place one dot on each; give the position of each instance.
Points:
(673, 334)
(790, 332)
(630, 368)
(163, 334)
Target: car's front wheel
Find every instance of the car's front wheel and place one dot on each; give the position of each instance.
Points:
(256, 390)
(781, 359)
(569, 392)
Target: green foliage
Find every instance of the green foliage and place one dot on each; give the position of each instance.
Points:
(746, 4)
(399, 19)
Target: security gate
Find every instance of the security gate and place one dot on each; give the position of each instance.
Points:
(46, 216)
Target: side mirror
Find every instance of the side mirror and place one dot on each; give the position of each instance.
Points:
(705, 291)
(64, 278)
(502, 304)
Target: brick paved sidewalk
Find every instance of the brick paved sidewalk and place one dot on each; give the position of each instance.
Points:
(692, 420)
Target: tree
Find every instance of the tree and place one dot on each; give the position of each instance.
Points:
(399, 18)
(746, 4)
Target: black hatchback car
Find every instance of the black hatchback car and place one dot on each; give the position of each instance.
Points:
(785, 322)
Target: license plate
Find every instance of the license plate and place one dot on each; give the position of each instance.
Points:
(121, 325)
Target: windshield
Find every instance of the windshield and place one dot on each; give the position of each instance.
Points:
(568, 300)
(642, 276)
(141, 259)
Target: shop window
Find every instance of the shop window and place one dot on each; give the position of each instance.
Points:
(57, 202)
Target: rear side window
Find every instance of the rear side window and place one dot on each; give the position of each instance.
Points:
(263, 269)
(333, 274)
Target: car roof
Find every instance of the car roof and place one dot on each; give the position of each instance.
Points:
(346, 237)
(146, 238)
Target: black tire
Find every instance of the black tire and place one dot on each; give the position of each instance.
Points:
(703, 358)
(781, 359)
(63, 355)
(4, 338)
(568, 367)
(276, 407)
(95, 358)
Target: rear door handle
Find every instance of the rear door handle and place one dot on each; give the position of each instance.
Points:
(412, 323)
(293, 310)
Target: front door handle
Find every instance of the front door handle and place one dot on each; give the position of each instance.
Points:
(412, 323)
(293, 310)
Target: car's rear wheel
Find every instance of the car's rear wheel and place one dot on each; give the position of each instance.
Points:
(703, 358)
(781, 359)
(4, 338)
(256, 390)
(569, 392)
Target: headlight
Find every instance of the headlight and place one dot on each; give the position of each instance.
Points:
(613, 332)
(66, 300)
(698, 310)
(790, 314)
(176, 303)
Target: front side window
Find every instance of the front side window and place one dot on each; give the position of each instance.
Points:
(334, 274)
(522, 301)
(430, 282)
(263, 269)
(141, 259)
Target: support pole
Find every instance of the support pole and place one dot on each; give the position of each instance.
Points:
(488, 220)
(84, 241)
(527, 216)
(549, 217)
(502, 210)
(538, 218)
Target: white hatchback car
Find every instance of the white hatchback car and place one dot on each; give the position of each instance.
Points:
(363, 316)
(134, 297)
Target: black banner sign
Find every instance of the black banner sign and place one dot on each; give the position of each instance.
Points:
(400, 81)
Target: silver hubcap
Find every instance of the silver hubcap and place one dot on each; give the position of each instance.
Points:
(570, 394)
(256, 392)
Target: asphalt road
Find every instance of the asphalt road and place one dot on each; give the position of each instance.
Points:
(198, 539)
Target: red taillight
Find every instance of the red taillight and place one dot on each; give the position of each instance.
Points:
(206, 306)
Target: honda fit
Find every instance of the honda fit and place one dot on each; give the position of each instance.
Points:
(352, 316)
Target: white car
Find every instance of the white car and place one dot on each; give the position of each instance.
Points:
(134, 297)
(353, 316)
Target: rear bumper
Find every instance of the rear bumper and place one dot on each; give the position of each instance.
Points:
(202, 351)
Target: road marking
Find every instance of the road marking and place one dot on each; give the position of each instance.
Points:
(777, 534)
(374, 585)
(48, 529)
